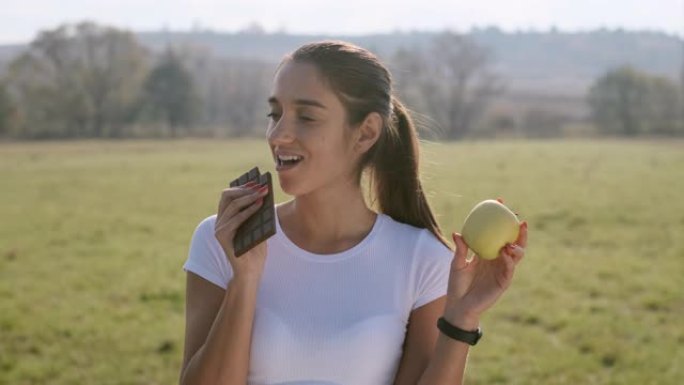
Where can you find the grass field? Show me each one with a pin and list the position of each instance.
(93, 236)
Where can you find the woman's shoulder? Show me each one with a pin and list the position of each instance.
(394, 227)
(205, 231)
(421, 240)
(207, 223)
(422, 257)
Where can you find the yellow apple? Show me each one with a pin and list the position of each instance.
(488, 227)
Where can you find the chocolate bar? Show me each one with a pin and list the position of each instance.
(261, 225)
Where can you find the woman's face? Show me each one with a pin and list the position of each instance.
(307, 119)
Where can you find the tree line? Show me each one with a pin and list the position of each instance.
(90, 81)
(628, 102)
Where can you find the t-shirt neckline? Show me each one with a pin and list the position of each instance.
(315, 257)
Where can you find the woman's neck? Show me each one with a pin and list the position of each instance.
(324, 227)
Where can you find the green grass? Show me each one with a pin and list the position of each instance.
(94, 234)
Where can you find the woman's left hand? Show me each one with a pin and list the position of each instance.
(475, 285)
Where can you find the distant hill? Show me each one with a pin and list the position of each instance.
(552, 62)
(557, 62)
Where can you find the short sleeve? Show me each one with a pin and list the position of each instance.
(206, 257)
(433, 263)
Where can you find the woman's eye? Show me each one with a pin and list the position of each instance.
(273, 115)
(306, 119)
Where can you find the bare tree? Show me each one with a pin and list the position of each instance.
(461, 82)
(233, 91)
(451, 82)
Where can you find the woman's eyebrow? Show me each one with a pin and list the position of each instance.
(308, 102)
(301, 102)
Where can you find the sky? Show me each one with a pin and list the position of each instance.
(20, 20)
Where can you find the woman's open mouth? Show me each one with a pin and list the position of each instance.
(287, 162)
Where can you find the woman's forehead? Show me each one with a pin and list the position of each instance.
(300, 81)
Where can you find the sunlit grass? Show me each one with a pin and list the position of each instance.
(94, 234)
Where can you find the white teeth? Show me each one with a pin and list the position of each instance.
(288, 157)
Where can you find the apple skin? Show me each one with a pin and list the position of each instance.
(488, 227)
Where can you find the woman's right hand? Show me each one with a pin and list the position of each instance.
(230, 216)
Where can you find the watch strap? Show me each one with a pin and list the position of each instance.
(456, 333)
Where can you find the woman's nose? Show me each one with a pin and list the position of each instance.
(281, 132)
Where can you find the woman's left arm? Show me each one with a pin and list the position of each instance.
(474, 286)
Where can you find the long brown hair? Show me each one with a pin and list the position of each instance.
(364, 85)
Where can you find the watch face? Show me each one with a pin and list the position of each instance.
(478, 336)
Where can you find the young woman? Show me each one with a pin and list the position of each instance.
(342, 294)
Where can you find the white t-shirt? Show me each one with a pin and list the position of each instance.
(333, 319)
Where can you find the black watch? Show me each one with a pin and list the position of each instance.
(469, 337)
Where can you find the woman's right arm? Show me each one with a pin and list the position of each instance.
(218, 331)
(219, 322)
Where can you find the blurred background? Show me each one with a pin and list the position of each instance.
(476, 69)
(121, 122)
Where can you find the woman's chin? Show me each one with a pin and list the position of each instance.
(287, 188)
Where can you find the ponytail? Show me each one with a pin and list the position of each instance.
(395, 174)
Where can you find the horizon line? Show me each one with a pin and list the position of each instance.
(257, 29)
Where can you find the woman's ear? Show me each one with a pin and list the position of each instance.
(368, 132)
